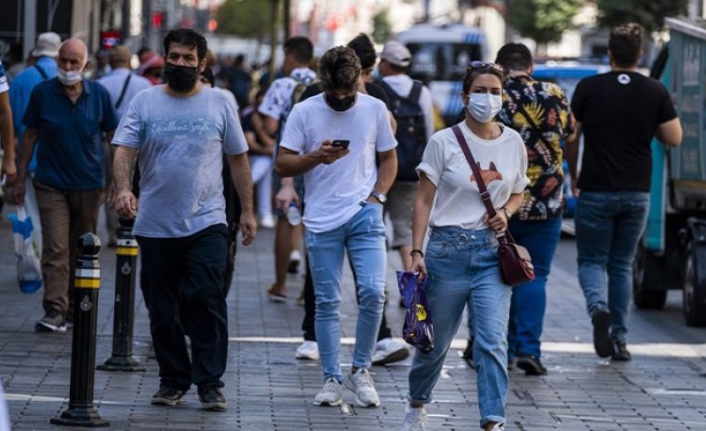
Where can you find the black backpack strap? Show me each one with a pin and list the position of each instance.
(390, 92)
(41, 72)
(122, 93)
(416, 91)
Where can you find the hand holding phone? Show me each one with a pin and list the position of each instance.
(340, 143)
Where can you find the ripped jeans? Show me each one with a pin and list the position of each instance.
(364, 238)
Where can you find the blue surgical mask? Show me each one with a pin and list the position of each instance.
(483, 107)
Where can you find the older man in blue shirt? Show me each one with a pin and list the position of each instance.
(70, 117)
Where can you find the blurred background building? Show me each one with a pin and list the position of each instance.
(139, 23)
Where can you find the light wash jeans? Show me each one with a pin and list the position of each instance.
(608, 228)
(463, 268)
(364, 238)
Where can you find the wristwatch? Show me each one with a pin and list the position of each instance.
(507, 212)
(381, 197)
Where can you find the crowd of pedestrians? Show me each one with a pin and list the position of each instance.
(326, 152)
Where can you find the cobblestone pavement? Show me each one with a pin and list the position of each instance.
(663, 388)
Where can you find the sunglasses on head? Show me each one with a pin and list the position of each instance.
(485, 65)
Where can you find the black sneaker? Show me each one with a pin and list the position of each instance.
(621, 352)
(212, 399)
(53, 321)
(532, 365)
(467, 354)
(168, 396)
(601, 333)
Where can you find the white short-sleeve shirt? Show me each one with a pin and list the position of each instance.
(334, 192)
(503, 163)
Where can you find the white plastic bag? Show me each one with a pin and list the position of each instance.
(29, 269)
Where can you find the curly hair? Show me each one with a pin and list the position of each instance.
(339, 69)
(625, 43)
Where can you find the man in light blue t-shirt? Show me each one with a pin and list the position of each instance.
(179, 132)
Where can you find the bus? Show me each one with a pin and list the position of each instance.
(440, 56)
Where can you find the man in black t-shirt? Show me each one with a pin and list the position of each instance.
(619, 113)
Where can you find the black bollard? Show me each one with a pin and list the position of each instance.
(83, 347)
(124, 313)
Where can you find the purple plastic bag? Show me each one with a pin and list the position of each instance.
(418, 329)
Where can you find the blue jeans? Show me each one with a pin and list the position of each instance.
(364, 238)
(463, 268)
(608, 228)
(529, 300)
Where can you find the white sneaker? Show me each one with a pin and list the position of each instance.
(331, 394)
(415, 419)
(498, 427)
(267, 221)
(362, 385)
(308, 350)
(294, 259)
(388, 351)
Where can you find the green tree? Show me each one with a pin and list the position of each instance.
(250, 19)
(542, 20)
(648, 13)
(382, 31)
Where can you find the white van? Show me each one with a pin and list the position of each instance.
(440, 55)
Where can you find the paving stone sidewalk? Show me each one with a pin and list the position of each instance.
(663, 388)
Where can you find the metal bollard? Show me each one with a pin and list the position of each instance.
(83, 348)
(124, 313)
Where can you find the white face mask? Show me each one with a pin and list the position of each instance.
(69, 77)
(483, 107)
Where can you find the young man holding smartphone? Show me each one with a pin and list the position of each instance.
(343, 204)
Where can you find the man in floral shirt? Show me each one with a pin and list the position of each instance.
(539, 111)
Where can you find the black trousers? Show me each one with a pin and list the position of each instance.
(187, 272)
(310, 308)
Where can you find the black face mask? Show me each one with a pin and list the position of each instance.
(339, 105)
(180, 78)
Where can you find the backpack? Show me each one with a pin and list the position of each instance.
(411, 132)
(300, 89)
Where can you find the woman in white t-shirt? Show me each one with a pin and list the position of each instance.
(461, 260)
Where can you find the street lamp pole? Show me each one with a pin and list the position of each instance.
(273, 39)
(30, 26)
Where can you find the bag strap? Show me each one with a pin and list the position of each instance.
(122, 93)
(390, 92)
(41, 72)
(484, 194)
(415, 92)
(503, 237)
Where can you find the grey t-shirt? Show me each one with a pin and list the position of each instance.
(180, 143)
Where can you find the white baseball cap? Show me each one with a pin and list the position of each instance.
(396, 53)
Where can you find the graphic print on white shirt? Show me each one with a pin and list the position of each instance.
(503, 164)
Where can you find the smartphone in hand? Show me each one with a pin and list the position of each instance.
(342, 143)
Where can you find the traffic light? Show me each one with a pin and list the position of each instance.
(157, 19)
